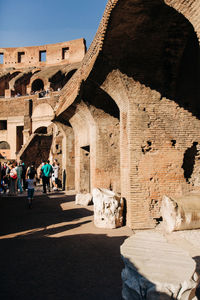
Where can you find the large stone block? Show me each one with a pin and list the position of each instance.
(181, 213)
(83, 199)
(156, 269)
(108, 208)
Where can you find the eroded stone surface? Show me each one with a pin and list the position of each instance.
(181, 213)
(83, 199)
(156, 269)
(108, 209)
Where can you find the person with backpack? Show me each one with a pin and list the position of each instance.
(13, 179)
(46, 172)
(30, 179)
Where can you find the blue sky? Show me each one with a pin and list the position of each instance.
(38, 22)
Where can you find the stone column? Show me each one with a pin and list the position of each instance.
(7, 93)
(27, 120)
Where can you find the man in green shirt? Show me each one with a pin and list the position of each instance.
(46, 172)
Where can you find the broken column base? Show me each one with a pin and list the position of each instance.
(155, 269)
(108, 208)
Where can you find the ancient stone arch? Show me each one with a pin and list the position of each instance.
(42, 130)
(5, 149)
(37, 85)
(4, 145)
(189, 9)
(84, 127)
(39, 81)
(145, 55)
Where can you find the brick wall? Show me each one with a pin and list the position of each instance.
(30, 56)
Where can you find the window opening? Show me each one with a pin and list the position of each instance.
(20, 57)
(1, 58)
(65, 53)
(3, 124)
(42, 55)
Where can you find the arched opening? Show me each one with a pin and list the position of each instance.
(4, 145)
(41, 130)
(37, 85)
(20, 84)
(59, 79)
(156, 46)
(4, 82)
(5, 149)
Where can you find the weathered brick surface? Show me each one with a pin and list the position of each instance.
(54, 55)
(141, 57)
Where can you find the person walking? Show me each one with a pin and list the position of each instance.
(19, 176)
(23, 176)
(46, 172)
(4, 180)
(30, 179)
(13, 179)
(54, 177)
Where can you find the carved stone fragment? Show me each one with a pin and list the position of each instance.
(108, 209)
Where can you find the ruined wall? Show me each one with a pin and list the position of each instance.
(107, 169)
(161, 133)
(162, 144)
(97, 157)
(15, 112)
(37, 150)
(67, 155)
(155, 51)
(60, 53)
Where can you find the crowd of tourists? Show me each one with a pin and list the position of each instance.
(17, 178)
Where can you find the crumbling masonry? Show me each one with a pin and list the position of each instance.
(129, 118)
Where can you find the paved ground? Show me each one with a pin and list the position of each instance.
(53, 251)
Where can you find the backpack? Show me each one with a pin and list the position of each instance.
(13, 174)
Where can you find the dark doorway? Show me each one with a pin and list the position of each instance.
(20, 57)
(42, 130)
(19, 141)
(37, 85)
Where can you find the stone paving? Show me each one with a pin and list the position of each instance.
(54, 251)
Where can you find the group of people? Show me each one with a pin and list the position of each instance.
(16, 178)
(49, 175)
(13, 177)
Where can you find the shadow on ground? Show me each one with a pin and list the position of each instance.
(38, 266)
(16, 217)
